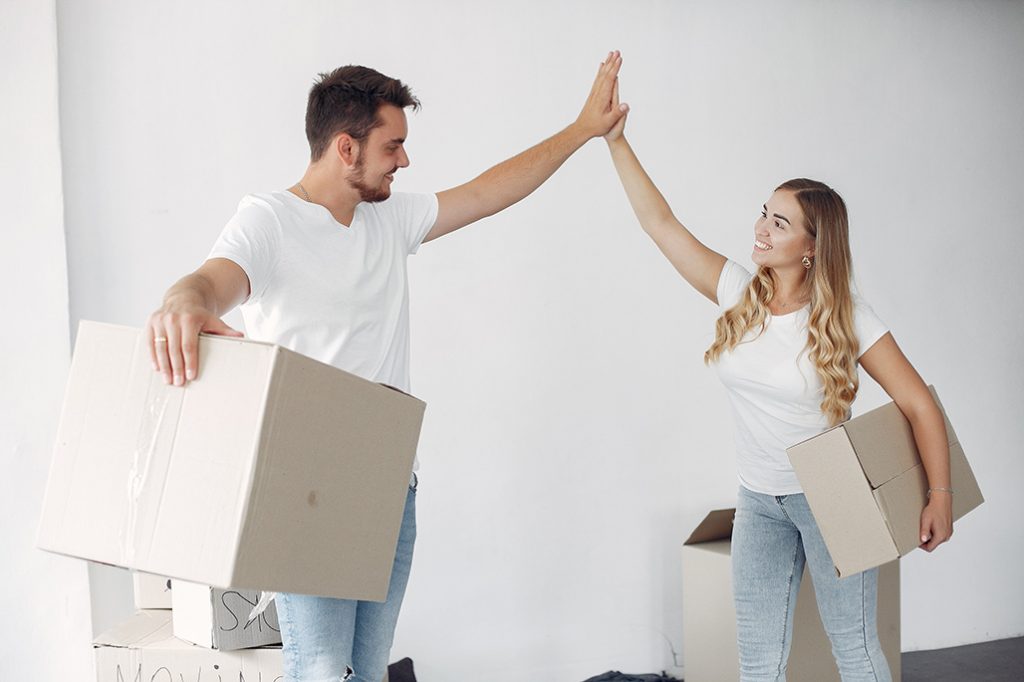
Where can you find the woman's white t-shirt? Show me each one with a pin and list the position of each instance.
(773, 387)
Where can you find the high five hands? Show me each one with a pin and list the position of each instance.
(602, 114)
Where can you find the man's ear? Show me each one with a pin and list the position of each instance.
(347, 149)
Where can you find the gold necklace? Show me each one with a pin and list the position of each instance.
(783, 305)
(304, 192)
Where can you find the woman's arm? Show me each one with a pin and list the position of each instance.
(699, 265)
(887, 365)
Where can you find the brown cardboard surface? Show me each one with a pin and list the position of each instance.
(717, 525)
(842, 501)
(837, 479)
(709, 619)
(884, 441)
(234, 479)
(302, 448)
(901, 501)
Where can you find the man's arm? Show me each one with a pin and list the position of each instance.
(194, 304)
(510, 181)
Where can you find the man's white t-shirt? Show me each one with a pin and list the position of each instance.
(773, 387)
(337, 294)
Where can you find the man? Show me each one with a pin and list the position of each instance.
(321, 269)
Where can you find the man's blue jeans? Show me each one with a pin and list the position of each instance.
(772, 538)
(328, 640)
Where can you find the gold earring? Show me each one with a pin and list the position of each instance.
(807, 263)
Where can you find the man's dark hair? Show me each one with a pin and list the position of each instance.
(346, 100)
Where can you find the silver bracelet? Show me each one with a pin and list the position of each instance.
(945, 490)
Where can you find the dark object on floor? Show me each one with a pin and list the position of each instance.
(999, 661)
(401, 671)
(616, 676)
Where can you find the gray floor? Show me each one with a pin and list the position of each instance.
(999, 661)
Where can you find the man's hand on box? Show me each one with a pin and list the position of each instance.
(191, 307)
(173, 339)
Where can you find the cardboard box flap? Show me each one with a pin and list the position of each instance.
(901, 501)
(143, 629)
(884, 441)
(843, 502)
(717, 525)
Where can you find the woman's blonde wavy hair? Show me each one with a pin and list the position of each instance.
(831, 339)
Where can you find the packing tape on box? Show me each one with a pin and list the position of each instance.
(151, 459)
(261, 605)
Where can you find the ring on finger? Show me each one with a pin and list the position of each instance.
(160, 339)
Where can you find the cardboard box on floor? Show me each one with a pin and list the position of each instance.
(219, 619)
(142, 649)
(866, 486)
(151, 591)
(709, 614)
(271, 471)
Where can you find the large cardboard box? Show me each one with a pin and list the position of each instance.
(219, 619)
(271, 471)
(709, 614)
(142, 649)
(151, 591)
(866, 485)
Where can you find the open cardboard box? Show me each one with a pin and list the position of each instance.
(709, 614)
(271, 471)
(866, 486)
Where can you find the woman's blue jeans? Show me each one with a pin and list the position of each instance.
(328, 640)
(772, 538)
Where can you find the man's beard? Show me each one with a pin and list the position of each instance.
(366, 192)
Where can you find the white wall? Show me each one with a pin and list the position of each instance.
(573, 436)
(43, 598)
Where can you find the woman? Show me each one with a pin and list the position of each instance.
(786, 347)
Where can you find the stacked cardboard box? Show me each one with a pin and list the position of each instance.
(231, 482)
(182, 629)
(145, 648)
(221, 619)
